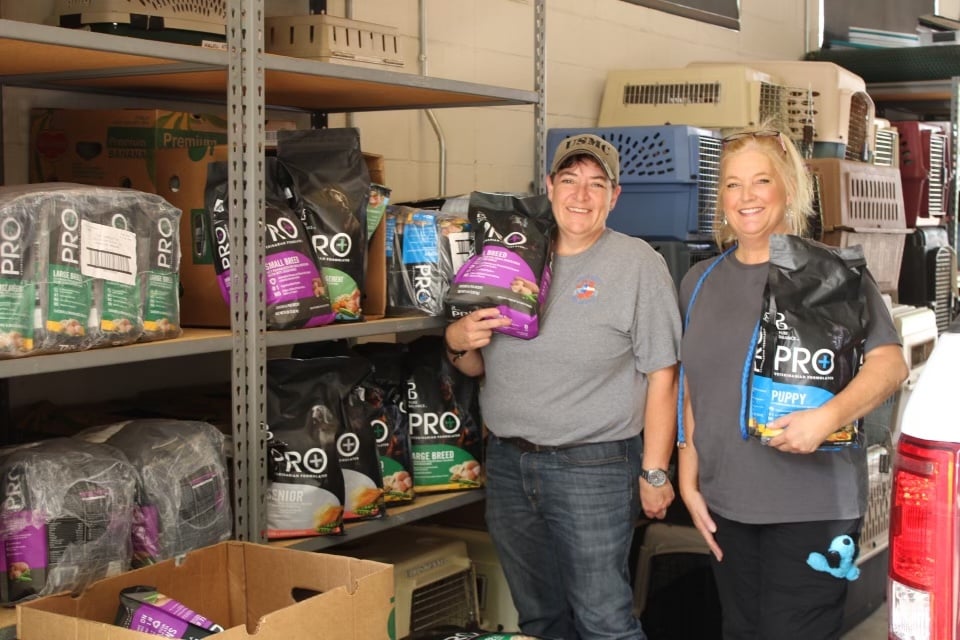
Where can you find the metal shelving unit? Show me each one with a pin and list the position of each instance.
(248, 79)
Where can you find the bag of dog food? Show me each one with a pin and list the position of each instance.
(297, 294)
(306, 494)
(511, 268)
(811, 333)
(143, 608)
(386, 392)
(18, 272)
(446, 434)
(183, 500)
(331, 184)
(160, 274)
(425, 250)
(65, 517)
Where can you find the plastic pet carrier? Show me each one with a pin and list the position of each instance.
(886, 143)
(924, 168)
(718, 96)
(862, 204)
(434, 581)
(929, 272)
(171, 20)
(831, 100)
(669, 176)
(857, 195)
(332, 39)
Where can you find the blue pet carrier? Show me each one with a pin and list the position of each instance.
(669, 176)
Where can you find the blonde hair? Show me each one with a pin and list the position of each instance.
(788, 168)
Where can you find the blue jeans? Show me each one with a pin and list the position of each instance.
(562, 523)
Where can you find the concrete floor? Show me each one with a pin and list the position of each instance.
(874, 627)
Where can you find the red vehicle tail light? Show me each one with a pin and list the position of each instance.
(923, 572)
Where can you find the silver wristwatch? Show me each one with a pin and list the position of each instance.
(656, 477)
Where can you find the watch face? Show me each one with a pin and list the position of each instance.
(656, 477)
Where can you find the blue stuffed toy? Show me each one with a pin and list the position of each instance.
(843, 548)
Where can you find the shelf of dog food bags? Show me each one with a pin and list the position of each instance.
(197, 341)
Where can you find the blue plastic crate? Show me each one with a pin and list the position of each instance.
(669, 175)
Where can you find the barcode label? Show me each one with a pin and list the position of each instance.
(461, 248)
(108, 253)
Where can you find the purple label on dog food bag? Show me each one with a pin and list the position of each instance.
(157, 622)
(145, 535)
(498, 267)
(500, 274)
(292, 280)
(26, 541)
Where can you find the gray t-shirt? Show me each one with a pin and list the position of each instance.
(609, 318)
(743, 480)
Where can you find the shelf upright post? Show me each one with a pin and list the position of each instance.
(953, 206)
(245, 120)
(540, 86)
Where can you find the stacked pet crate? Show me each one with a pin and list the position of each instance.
(827, 106)
(862, 204)
(928, 275)
(925, 170)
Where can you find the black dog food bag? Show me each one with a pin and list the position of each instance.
(386, 394)
(305, 491)
(67, 508)
(445, 427)
(183, 500)
(512, 264)
(332, 187)
(811, 333)
(297, 295)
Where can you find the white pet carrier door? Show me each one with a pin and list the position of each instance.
(434, 581)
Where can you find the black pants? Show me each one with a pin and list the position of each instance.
(768, 591)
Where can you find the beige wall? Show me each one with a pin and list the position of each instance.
(491, 42)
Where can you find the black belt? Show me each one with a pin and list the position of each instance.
(529, 447)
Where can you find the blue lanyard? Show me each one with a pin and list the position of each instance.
(745, 373)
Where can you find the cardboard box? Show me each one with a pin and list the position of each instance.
(247, 588)
(181, 181)
(115, 147)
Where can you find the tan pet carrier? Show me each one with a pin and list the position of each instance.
(204, 16)
(719, 96)
(832, 100)
(332, 39)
